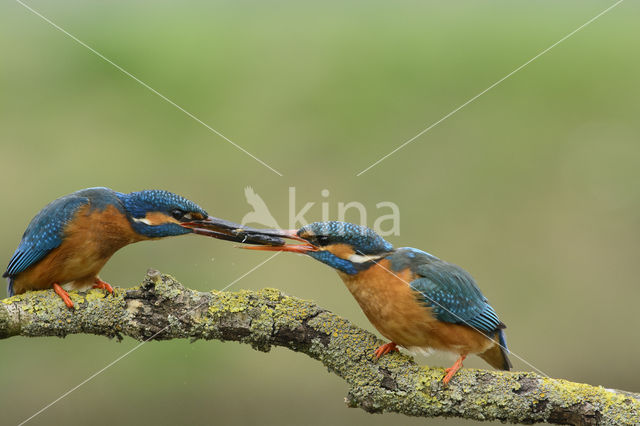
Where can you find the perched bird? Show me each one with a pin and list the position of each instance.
(72, 238)
(412, 298)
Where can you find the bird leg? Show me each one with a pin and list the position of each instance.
(63, 295)
(453, 369)
(385, 349)
(103, 285)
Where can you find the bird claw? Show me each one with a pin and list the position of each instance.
(63, 295)
(103, 285)
(385, 349)
(451, 371)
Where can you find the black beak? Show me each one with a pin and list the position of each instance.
(292, 234)
(230, 231)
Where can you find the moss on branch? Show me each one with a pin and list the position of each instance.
(161, 308)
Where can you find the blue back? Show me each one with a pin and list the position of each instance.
(448, 289)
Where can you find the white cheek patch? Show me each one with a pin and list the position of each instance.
(188, 216)
(143, 220)
(358, 258)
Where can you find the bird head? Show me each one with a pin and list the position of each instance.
(344, 246)
(158, 214)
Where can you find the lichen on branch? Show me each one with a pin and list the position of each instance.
(161, 309)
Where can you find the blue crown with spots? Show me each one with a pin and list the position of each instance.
(363, 240)
(138, 204)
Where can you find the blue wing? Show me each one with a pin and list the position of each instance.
(454, 296)
(44, 233)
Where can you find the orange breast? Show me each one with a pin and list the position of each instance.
(395, 311)
(90, 239)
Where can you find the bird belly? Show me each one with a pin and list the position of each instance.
(90, 240)
(394, 309)
(60, 266)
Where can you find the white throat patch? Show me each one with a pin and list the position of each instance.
(359, 258)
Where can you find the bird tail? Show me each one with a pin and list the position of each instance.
(10, 288)
(497, 355)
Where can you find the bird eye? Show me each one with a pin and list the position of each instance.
(177, 214)
(322, 240)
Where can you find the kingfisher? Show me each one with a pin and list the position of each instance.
(413, 298)
(69, 241)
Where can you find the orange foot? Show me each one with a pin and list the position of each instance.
(63, 295)
(385, 349)
(453, 369)
(103, 285)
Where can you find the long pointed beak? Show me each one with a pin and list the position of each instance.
(230, 231)
(304, 248)
(293, 248)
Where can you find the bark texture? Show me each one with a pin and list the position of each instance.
(161, 308)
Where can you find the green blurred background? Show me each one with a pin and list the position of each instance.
(533, 188)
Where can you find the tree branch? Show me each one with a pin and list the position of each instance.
(161, 308)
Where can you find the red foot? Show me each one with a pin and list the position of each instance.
(103, 285)
(63, 295)
(451, 371)
(385, 349)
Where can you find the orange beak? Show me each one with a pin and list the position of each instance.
(304, 248)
